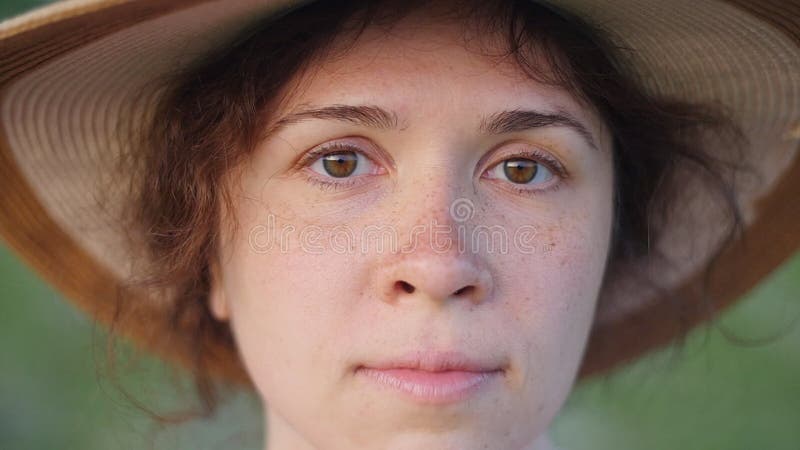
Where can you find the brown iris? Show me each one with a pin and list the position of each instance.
(340, 164)
(520, 170)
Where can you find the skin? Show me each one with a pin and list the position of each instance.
(304, 320)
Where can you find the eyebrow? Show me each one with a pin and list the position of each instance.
(522, 119)
(370, 116)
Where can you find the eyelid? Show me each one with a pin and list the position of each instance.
(528, 151)
(338, 145)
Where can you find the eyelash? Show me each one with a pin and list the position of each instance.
(536, 155)
(544, 159)
(325, 150)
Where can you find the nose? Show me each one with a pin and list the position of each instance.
(436, 262)
(437, 278)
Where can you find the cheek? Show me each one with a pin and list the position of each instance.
(553, 293)
(288, 309)
(561, 268)
(551, 296)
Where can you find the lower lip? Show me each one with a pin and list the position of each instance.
(430, 387)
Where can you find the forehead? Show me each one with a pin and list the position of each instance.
(424, 66)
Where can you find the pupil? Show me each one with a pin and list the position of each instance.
(520, 170)
(340, 165)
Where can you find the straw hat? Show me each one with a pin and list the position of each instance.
(68, 71)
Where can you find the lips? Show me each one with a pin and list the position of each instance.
(436, 361)
(433, 377)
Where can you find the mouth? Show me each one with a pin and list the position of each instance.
(433, 377)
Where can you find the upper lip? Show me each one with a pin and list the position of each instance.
(438, 361)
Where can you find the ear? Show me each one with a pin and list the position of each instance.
(217, 302)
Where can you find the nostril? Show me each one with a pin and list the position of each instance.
(464, 290)
(405, 286)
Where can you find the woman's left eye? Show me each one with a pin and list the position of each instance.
(521, 171)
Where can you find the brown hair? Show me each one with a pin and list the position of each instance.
(211, 116)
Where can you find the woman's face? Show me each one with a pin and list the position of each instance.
(431, 283)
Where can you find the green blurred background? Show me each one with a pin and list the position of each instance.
(712, 394)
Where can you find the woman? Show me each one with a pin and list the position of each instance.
(404, 225)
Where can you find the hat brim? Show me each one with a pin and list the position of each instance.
(71, 71)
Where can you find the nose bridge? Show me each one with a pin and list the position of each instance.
(435, 211)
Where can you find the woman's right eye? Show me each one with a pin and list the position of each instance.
(341, 164)
(337, 166)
